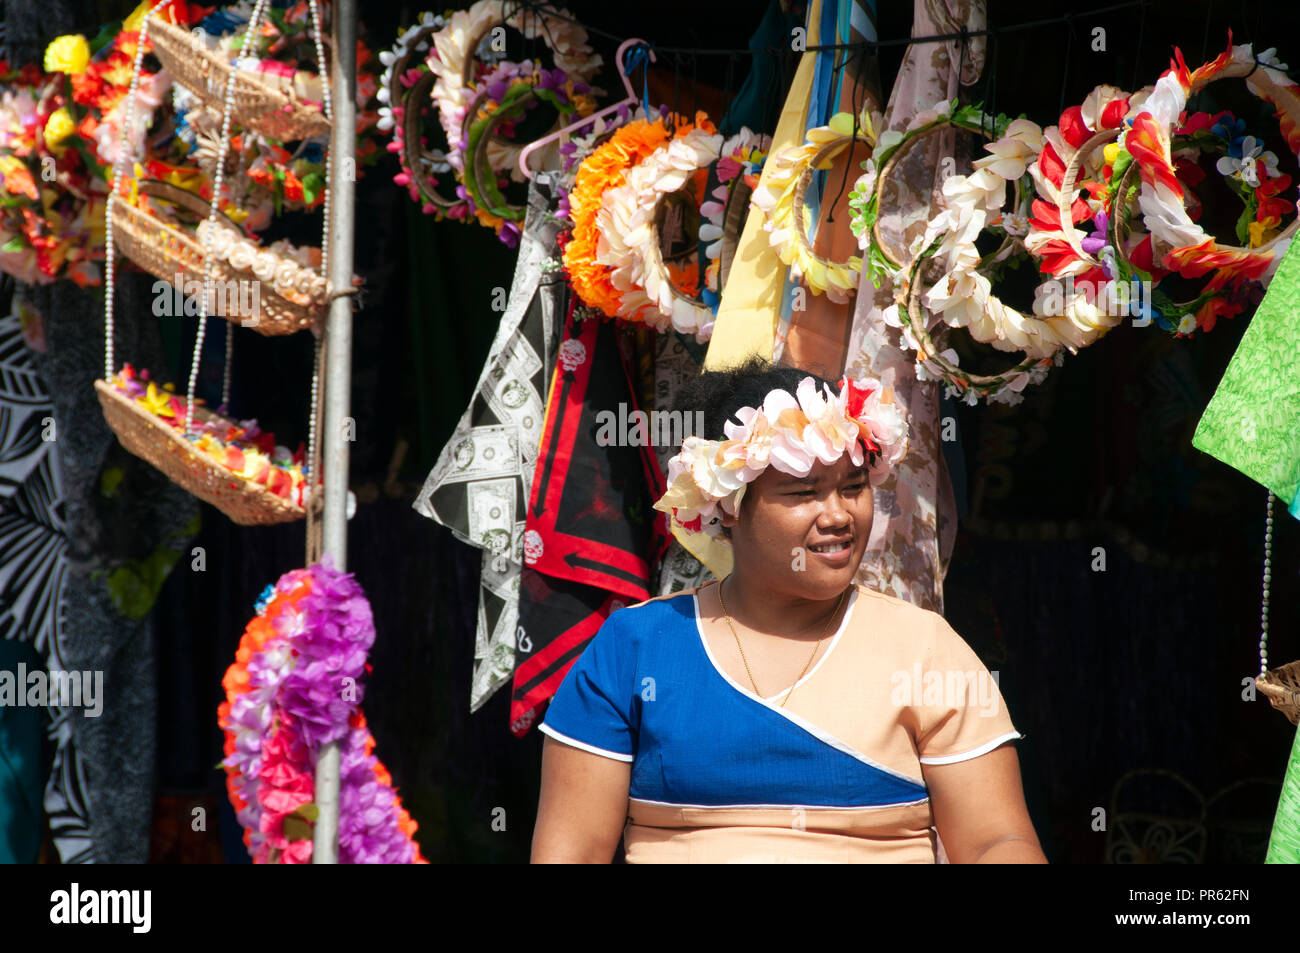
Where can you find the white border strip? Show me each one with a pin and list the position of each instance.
(781, 807)
(974, 752)
(548, 730)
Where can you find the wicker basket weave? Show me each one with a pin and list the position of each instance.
(164, 250)
(255, 103)
(1281, 686)
(140, 432)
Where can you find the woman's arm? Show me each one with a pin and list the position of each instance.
(582, 808)
(979, 810)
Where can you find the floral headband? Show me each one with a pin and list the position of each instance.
(789, 432)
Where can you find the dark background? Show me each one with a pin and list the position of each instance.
(1137, 667)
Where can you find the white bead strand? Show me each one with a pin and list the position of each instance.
(1268, 576)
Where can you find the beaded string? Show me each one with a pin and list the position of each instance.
(109, 257)
(1268, 575)
(218, 174)
(327, 104)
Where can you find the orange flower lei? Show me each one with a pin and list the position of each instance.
(607, 168)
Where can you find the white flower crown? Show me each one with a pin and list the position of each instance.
(790, 432)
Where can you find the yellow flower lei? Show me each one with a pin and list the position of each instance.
(780, 197)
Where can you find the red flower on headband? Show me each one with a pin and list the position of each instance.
(855, 402)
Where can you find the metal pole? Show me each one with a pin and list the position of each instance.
(338, 372)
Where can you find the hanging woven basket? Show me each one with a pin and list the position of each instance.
(256, 102)
(153, 440)
(1281, 686)
(294, 297)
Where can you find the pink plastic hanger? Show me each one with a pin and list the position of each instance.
(631, 99)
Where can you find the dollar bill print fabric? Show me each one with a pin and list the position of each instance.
(480, 485)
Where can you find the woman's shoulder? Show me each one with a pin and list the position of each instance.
(888, 619)
(655, 616)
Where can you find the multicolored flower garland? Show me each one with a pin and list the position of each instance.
(737, 173)
(295, 685)
(452, 61)
(1182, 244)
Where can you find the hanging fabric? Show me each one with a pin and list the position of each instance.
(817, 337)
(592, 536)
(479, 487)
(1250, 422)
(915, 525)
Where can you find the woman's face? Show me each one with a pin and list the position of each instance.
(803, 536)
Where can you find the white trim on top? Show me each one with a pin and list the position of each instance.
(974, 752)
(821, 735)
(574, 742)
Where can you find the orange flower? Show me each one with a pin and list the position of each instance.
(607, 168)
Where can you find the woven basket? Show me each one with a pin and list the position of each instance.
(164, 250)
(149, 438)
(256, 103)
(1281, 686)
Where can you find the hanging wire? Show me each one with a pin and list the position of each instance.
(1069, 49)
(1137, 57)
(857, 57)
(1205, 38)
(869, 44)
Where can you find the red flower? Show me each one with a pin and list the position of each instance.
(1114, 113)
(1073, 129)
(1270, 206)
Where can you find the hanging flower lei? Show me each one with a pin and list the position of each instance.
(506, 93)
(1148, 140)
(740, 165)
(410, 42)
(629, 239)
(962, 296)
(295, 685)
(936, 365)
(780, 198)
(407, 78)
(605, 169)
(790, 432)
(242, 448)
(1102, 112)
(1226, 294)
(892, 145)
(456, 43)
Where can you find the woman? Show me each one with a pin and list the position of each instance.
(784, 714)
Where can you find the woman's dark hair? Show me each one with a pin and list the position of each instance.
(719, 394)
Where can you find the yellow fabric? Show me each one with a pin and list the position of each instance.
(751, 302)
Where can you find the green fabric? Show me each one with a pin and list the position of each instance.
(1251, 422)
(1284, 842)
(22, 772)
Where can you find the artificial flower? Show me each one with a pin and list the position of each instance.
(67, 54)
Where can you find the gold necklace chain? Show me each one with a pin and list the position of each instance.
(810, 657)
